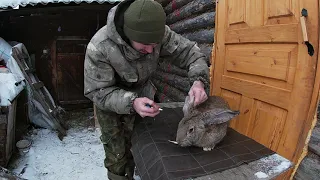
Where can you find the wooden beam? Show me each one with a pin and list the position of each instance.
(39, 97)
(49, 9)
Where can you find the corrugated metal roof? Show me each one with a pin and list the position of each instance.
(16, 3)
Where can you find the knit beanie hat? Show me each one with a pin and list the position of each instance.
(144, 21)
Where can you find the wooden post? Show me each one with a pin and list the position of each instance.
(96, 122)
(7, 133)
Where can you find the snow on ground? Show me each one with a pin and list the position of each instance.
(79, 156)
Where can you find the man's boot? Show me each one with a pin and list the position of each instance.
(130, 169)
(113, 176)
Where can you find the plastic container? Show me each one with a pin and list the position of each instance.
(23, 146)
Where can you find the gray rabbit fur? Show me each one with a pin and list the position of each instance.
(206, 124)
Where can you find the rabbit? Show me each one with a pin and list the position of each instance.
(204, 125)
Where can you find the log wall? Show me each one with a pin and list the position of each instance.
(194, 20)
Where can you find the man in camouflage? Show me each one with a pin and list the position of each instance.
(119, 61)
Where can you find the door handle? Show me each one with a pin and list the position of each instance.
(303, 19)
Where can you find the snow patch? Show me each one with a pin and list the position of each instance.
(79, 156)
(261, 175)
(10, 87)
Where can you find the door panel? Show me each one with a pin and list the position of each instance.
(263, 69)
(275, 118)
(271, 61)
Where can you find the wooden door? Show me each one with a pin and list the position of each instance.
(68, 55)
(262, 68)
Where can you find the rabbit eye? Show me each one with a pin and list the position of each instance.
(190, 130)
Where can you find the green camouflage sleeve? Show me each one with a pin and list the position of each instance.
(100, 84)
(186, 54)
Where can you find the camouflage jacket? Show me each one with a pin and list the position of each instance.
(115, 73)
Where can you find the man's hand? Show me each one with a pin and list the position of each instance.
(197, 90)
(139, 105)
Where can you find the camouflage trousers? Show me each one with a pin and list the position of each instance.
(116, 132)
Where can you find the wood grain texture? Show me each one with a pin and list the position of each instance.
(262, 67)
(281, 33)
(313, 28)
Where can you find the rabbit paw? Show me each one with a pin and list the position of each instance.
(207, 148)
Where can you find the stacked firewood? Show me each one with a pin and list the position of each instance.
(194, 20)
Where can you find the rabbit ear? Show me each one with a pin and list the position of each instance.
(188, 105)
(221, 117)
